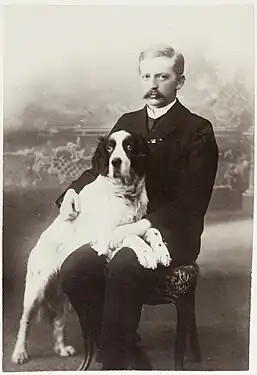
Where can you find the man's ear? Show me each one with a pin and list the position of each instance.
(100, 159)
(180, 82)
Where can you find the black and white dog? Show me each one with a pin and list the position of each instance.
(117, 197)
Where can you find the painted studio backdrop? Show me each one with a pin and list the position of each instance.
(70, 72)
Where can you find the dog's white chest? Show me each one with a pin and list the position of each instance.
(100, 205)
(101, 212)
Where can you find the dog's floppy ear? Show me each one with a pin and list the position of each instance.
(100, 159)
(140, 154)
(142, 147)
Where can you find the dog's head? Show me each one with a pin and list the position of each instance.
(121, 156)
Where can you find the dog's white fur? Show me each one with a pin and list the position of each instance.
(104, 207)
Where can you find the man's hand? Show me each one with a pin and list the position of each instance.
(70, 207)
(118, 235)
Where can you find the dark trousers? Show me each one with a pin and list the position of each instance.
(108, 299)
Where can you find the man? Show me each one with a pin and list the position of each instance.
(108, 297)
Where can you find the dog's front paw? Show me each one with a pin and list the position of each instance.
(147, 260)
(144, 253)
(64, 351)
(163, 255)
(20, 356)
(154, 238)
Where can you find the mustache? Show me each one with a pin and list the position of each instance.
(149, 93)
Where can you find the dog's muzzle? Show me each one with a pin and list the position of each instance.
(116, 164)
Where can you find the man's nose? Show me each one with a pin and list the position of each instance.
(154, 83)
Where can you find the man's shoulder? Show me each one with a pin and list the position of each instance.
(133, 114)
(129, 120)
(198, 122)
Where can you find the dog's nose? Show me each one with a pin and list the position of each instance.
(116, 162)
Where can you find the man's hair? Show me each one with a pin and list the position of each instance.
(166, 51)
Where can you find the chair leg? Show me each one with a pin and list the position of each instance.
(181, 334)
(140, 360)
(192, 331)
(88, 354)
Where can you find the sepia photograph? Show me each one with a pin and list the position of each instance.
(128, 187)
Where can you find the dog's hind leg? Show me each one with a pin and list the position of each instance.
(58, 335)
(55, 309)
(36, 281)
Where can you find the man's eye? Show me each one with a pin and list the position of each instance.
(145, 77)
(163, 77)
(109, 148)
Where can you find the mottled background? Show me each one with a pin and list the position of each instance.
(69, 73)
(68, 69)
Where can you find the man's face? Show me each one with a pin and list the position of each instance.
(159, 81)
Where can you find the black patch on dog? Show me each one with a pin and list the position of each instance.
(137, 150)
(100, 159)
(135, 147)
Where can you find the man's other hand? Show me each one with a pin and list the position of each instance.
(70, 207)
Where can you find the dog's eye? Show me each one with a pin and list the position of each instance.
(109, 148)
(129, 147)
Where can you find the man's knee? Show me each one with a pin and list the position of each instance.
(124, 263)
(81, 264)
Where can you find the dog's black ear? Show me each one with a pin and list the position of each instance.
(140, 154)
(100, 159)
(141, 147)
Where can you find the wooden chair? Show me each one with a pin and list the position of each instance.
(178, 288)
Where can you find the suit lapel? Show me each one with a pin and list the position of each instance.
(169, 121)
(165, 126)
(141, 122)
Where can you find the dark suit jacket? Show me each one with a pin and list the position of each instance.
(180, 177)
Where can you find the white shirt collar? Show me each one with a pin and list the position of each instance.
(158, 112)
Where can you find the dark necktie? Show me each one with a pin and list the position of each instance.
(151, 123)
